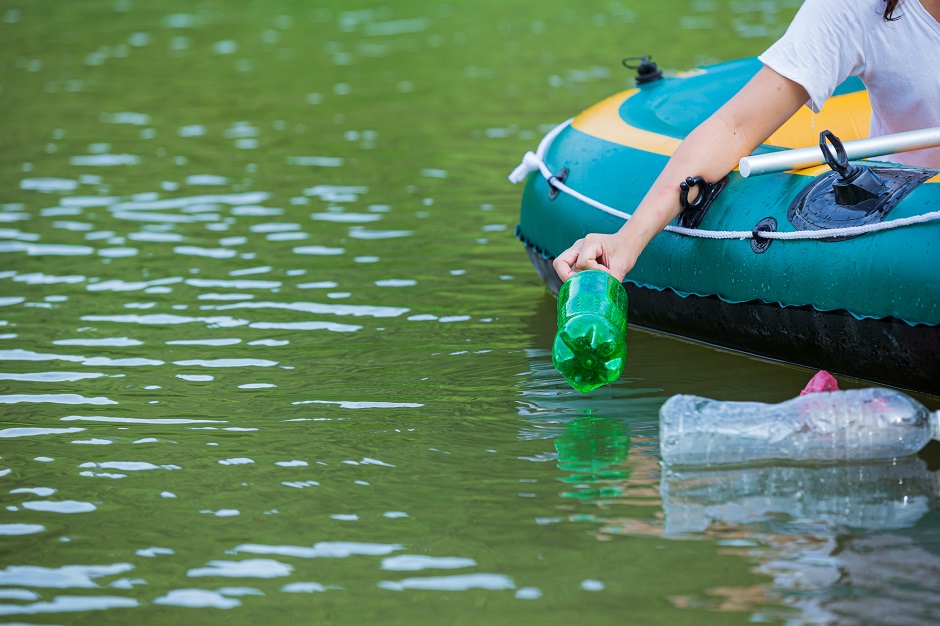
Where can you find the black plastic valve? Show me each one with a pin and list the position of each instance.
(646, 70)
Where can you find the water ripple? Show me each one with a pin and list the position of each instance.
(257, 211)
(322, 284)
(263, 269)
(233, 284)
(225, 296)
(132, 420)
(152, 237)
(38, 278)
(49, 184)
(274, 227)
(65, 577)
(128, 466)
(462, 582)
(52, 249)
(106, 341)
(331, 326)
(316, 161)
(20, 529)
(187, 201)
(337, 193)
(9, 433)
(415, 562)
(346, 218)
(59, 506)
(87, 201)
(324, 549)
(315, 307)
(214, 253)
(164, 318)
(50, 377)
(305, 587)
(249, 568)
(227, 363)
(197, 599)
(348, 404)
(231, 341)
(152, 552)
(319, 250)
(361, 233)
(69, 604)
(108, 362)
(121, 285)
(105, 160)
(55, 398)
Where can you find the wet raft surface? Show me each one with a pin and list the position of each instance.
(269, 349)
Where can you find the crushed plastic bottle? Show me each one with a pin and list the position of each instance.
(857, 425)
(590, 346)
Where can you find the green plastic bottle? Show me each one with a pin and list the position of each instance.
(590, 346)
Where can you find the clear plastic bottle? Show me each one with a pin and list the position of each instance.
(857, 424)
(590, 346)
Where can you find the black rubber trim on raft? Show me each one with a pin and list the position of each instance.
(888, 351)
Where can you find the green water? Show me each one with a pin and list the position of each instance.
(271, 353)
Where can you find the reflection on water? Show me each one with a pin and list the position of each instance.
(849, 544)
(868, 497)
(592, 444)
(842, 543)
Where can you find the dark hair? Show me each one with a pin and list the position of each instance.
(889, 10)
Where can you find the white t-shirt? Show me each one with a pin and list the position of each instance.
(899, 62)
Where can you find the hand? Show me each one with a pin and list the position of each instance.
(607, 253)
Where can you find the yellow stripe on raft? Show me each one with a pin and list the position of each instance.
(846, 115)
(604, 122)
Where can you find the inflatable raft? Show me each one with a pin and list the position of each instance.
(803, 266)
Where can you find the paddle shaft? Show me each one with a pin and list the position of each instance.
(858, 149)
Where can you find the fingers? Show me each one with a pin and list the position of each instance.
(592, 255)
(589, 253)
(564, 262)
(596, 252)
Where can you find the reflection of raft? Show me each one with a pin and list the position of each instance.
(866, 306)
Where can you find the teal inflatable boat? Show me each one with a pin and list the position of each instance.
(834, 267)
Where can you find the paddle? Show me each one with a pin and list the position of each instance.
(801, 158)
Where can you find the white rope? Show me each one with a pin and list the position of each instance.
(531, 162)
(534, 162)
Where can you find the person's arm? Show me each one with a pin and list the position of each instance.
(711, 151)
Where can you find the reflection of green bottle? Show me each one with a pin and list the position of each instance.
(590, 346)
(592, 444)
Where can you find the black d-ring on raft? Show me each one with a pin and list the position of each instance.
(693, 211)
(856, 183)
(838, 162)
